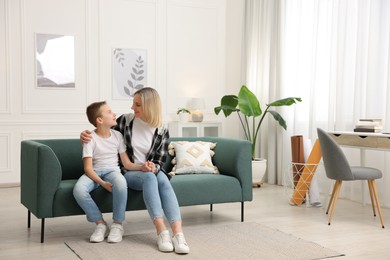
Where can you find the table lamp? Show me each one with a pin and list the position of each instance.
(196, 106)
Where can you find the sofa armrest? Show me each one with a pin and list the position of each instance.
(41, 174)
(233, 157)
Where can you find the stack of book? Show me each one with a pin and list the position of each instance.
(369, 125)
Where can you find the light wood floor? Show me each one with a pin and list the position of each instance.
(354, 230)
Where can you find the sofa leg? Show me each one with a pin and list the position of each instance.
(211, 207)
(242, 211)
(28, 219)
(42, 230)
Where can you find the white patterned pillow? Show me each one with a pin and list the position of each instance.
(192, 157)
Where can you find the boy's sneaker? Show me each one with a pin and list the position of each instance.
(99, 234)
(116, 233)
(164, 242)
(180, 244)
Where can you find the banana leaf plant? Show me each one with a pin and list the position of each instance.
(248, 109)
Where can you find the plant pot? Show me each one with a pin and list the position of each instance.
(184, 117)
(259, 166)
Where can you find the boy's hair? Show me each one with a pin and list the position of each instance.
(93, 111)
(151, 105)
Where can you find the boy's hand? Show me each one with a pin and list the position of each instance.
(107, 186)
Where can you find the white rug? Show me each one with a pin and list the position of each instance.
(236, 241)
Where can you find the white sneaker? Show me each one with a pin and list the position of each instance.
(99, 234)
(164, 242)
(180, 244)
(116, 233)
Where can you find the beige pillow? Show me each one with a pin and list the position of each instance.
(192, 157)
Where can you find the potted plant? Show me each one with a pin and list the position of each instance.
(183, 114)
(248, 109)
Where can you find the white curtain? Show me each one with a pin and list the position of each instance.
(336, 56)
(261, 70)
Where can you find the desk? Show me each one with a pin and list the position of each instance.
(363, 141)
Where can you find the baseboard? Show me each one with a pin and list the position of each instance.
(9, 185)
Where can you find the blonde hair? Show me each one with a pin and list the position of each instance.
(151, 106)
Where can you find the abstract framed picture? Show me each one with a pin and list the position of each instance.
(55, 60)
(129, 72)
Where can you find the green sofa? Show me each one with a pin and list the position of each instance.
(50, 169)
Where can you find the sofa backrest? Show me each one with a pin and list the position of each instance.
(69, 154)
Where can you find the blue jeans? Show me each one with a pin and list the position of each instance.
(85, 185)
(159, 196)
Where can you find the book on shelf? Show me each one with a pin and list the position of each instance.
(367, 130)
(378, 120)
(369, 122)
(373, 125)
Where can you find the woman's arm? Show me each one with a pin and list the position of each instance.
(158, 153)
(85, 136)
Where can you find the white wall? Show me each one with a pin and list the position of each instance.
(193, 48)
(234, 43)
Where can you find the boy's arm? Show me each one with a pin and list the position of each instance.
(92, 174)
(130, 165)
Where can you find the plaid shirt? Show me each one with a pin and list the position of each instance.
(159, 148)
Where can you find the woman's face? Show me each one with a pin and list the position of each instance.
(137, 107)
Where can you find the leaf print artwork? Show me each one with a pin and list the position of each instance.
(129, 72)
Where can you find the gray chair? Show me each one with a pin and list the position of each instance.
(337, 168)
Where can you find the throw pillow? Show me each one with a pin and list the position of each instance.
(192, 157)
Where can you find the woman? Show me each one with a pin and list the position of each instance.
(147, 144)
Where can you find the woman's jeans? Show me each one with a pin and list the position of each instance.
(85, 185)
(158, 194)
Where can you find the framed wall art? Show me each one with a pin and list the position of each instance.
(55, 61)
(129, 72)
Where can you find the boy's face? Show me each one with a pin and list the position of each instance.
(107, 117)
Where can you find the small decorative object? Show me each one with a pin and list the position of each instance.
(197, 104)
(184, 114)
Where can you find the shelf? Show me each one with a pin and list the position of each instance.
(194, 129)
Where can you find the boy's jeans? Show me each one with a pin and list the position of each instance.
(85, 185)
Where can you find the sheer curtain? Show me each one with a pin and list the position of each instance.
(261, 69)
(336, 56)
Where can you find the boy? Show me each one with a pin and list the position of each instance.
(101, 166)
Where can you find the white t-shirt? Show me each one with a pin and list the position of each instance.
(141, 140)
(104, 151)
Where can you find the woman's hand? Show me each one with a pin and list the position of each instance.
(152, 167)
(85, 136)
(148, 167)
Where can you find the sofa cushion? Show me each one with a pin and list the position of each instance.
(64, 196)
(102, 198)
(192, 157)
(206, 189)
